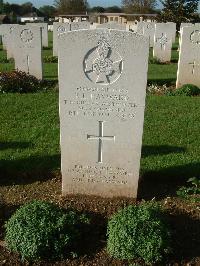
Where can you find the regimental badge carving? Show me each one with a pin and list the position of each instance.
(61, 30)
(149, 26)
(11, 29)
(103, 65)
(26, 35)
(195, 37)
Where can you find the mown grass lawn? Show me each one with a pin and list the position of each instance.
(29, 138)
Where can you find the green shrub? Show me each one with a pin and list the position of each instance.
(186, 90)
(5, 60)
(138, 232)
(18, 81)
(50, 59)
(191, 192)
(40, 230)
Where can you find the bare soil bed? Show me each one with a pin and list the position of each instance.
(184, 218)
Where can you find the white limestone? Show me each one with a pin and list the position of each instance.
(44, 27)
(58, 29)
(189, 58)
(149, 31)
(162, 42)
(28, 50)
(112, 25)
(83, 25)
(173, 30)
(102, 86)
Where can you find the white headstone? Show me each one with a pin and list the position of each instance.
(83, 25)
(162, 42)
(44, 27)
(173, 30)
(102, 79)
(58, 29)
(28, 50)
(189, 58)
(112, 25)
(185, 25)
(10, 40)
(149, 31)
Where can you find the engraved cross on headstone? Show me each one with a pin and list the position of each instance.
(28, 63)
(100, 138)
(162, 40)
(194, 64)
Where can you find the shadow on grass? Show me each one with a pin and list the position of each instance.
(28, 170)
(14, 145)
(148, 150)
(165, 182)
(160, 82)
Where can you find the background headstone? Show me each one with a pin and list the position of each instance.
(102, 80)
(149, 31)
(112, 25)
(28, 50)
(58, 29)
(162, 42)
(83, 25)
(189, 58)
(173, 30)
(44, 27)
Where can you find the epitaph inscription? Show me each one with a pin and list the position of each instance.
(103, 102)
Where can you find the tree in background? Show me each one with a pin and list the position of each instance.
(71, 6)
(47, 11)
(1, 6)
(179, 11)
(97, 9)
(113, 9)
(139, 6)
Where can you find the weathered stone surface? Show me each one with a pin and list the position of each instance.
(162, 42)
(44, 27)
(28, 50)
(58, 29)
(83, 25)
(102, 79)
(112, 25)
(173, 30)
(189, 58)
(149, 31)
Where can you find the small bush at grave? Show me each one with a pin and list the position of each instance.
(40, 230)
(138, 232)
(21, 82)
(5, 60)
(18, 81)
(186, 90)
(50, 59)
(192, 192)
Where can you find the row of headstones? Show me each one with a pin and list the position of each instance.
(27, 50)
(160, 35)
(102, 87)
